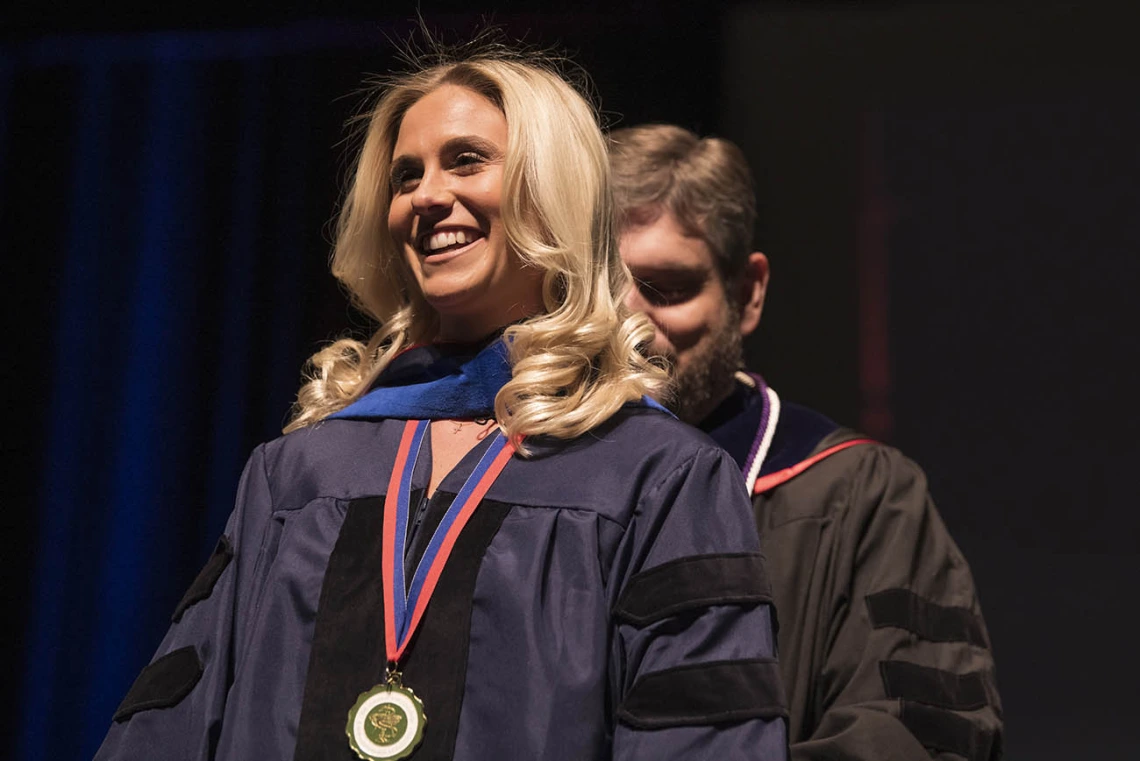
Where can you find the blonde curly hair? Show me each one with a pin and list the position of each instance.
(574, 364)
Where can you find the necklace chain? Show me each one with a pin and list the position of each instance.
(457, 425)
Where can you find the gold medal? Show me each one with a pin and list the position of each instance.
(387, 722)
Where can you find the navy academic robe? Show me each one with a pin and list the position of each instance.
(606, 600)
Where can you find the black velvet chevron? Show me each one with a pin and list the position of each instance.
(705, 693)
(163, 683)
(694, 582)
(904, 609)
(206, 579)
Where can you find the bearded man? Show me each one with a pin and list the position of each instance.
(883, 648)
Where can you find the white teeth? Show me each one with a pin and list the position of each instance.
(440, 240)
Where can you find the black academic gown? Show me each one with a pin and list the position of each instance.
(883, 648)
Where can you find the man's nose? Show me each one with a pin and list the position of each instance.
(636, 302)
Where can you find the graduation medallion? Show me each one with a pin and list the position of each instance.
(387, 722)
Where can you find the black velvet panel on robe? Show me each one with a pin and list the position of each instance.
(348, 655)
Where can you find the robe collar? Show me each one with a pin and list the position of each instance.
(441, 382)
(736, 422)
(436, 382)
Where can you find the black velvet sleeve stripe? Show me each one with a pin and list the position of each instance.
(206, 579)
(944, 689)
(903, 609)
(705, 693)
(693, 582)
(163, 683)
(946, 732)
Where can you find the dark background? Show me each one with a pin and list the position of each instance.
(948, 199)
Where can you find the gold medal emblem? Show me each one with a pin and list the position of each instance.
(387, 722)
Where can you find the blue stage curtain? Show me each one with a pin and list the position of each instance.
(171, 194)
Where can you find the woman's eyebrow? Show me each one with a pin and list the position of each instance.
(469, 142)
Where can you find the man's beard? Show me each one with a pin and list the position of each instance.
(707, 375)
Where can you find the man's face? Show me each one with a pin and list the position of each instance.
(677, 284)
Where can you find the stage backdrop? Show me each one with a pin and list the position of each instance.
(946, 200)
(974, 170)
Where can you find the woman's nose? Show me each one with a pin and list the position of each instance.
(432, 195)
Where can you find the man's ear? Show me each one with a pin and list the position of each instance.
(753, 286)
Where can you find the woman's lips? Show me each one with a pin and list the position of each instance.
(449, 252)
(443, 241)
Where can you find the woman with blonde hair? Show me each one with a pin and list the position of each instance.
(594, 579)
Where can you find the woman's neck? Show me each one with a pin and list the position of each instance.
(451, 440)
(475, 329)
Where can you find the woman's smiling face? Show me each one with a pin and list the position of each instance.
(447, 182)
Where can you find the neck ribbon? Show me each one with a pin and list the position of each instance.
(403, 611)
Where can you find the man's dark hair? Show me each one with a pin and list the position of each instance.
(703, 182)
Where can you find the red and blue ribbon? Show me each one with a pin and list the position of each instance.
(404, 611)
